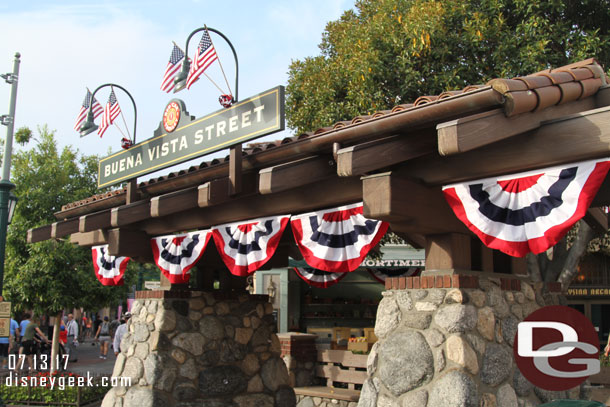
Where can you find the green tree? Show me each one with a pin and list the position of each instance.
(389, 52)
(53, 275)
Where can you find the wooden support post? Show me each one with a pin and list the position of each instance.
(518, 265)
(132, 191)
(487, 259)
(165, 284)
(448, 251)
(235, 161)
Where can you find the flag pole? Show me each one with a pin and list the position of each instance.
(219, 63)
(124, 122)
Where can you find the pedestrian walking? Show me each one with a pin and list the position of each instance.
(103, 335)
(120, 331)
(72, 337)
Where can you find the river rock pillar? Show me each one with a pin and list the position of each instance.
(212, 349)
(446, 340)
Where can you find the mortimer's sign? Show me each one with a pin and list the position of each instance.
(181, 137)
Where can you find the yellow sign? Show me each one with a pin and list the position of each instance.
(588, 292)
(5, 327)
(5, 309)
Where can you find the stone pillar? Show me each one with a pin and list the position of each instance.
(446, 340)
(212, 349)
(300, 354)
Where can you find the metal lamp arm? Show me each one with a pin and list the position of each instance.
(186, 53)
(135, 110)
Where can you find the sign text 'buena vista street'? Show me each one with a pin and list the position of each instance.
(181, 137)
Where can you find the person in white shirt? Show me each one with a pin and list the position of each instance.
(72, 343)
(120, 332)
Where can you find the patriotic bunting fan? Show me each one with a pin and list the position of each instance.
(527, 212)
(175, 255)
(246, 246)
(318, 278)
(109, 270)
(380, 274)
(336, 240)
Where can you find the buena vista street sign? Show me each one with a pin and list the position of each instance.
(181, 137)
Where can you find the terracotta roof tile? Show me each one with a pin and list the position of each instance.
(400, 108)
(571, 82)
(422, 100)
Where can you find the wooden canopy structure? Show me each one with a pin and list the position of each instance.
(395, 161)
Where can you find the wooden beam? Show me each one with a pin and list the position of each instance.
(173, 202)
(131, 195)
(39, 234)
(575, 138)
(449, 251)
(235, 169)
(93, 238)
(327, 193)
(218, 191)
(93, 221)
(471, 132)
(130, 243)
(374, 155)
(597, 218)
(408, 206)
(128, 214)
(295, 174)
(64, 228)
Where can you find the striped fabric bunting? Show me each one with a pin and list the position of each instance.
(109, 270)
(380, 274)
(318, 278)
(530, 211)
(175, 255)
(338, 239)
(246, 246)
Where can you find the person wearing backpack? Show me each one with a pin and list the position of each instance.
(103, 336)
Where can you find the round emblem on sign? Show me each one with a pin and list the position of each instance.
(171, 117)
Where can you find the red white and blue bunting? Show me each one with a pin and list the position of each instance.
(318, 278)
(380, 274)
(530, 211)
(109, 270)
(175, 255)
(246, 246)
(338, 239)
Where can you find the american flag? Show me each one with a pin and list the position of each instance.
(173, 66)
(82, 115)
(206, 54)
(111, 111)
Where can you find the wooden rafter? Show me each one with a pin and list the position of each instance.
(578, 137)
(373, 155)
(471, 132)
(93, 221)
(326, 193)
(173, 202)
(295, 174)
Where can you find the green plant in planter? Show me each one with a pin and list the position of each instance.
(60, 394)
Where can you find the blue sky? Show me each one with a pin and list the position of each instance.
(67, 46)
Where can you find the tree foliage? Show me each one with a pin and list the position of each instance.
(388, 52)
(54, 274)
